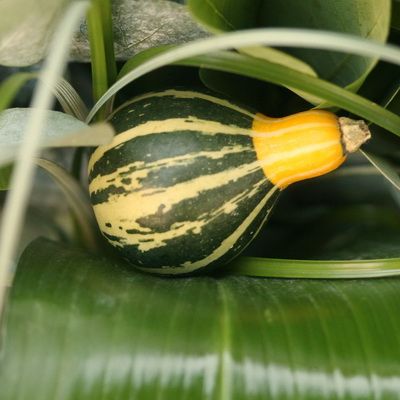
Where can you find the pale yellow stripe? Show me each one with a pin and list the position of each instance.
(125, 209)
(141, 169)
(168, 126)
(160, 239)
(225, 246)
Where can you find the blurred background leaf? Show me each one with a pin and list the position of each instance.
(97, 329)
(5, 174)
(365, 18)
(350, 214)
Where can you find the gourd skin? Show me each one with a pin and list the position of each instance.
(182, 186)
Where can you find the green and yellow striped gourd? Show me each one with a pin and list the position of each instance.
(190, 178)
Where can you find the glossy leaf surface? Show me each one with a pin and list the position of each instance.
(84, 327)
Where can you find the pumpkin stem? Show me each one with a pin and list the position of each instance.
(354, 133)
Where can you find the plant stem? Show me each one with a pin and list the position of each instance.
(106, 14)
(101, 49)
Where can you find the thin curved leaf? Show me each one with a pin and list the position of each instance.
(332, 269)
(384, 167)
(98, 329)
(77, 199)
(292, 37)
(240, 64)
(70, 100)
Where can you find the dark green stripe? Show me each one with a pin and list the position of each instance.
(168, 176)
(193, 247)
(166, 107)
(204, 205)
(155, 147)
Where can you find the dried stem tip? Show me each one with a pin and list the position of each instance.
(354, 133)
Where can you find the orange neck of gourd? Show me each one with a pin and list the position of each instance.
(301, 146)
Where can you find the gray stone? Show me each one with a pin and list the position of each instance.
(141, 24)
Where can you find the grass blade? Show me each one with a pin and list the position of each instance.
(104, 70)
(70, 100)
(270, 72)
(76, 198)
(384, 167)
(311, 269)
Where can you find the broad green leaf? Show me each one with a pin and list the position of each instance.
(241, 16)
(240, 64)
(61, 130)
(270, 72)
(25, 29)
(80, 326)
(219, 15)
(365, 18)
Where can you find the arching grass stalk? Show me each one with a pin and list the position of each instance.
(269, 36)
